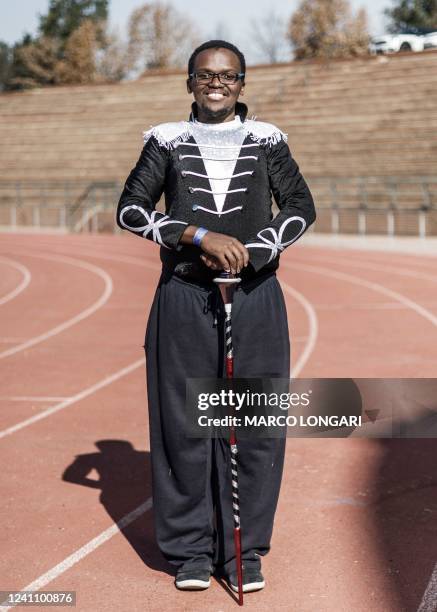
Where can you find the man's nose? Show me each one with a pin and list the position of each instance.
(215, 81)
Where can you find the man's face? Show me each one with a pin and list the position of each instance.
(215, 100)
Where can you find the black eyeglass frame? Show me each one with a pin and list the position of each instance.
(240, 76)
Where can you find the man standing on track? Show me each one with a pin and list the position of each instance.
(218, 171)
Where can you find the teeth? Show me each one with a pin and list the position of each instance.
(215, 96)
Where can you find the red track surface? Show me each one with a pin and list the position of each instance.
(355, 528)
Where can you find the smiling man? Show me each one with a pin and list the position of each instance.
(218, 171)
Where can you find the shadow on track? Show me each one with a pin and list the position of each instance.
(124, 477)
(405, 511)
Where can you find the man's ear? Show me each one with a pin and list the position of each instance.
(189, 86)
(242, 90)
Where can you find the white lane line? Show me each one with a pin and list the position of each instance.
(313, 329)
(129, 259)
(72, 400)
(31, 398)
(429, 599)
(402, 259)
(383, 268)
(77, 318)
(24, 283)
(423, 312)
(85, 550)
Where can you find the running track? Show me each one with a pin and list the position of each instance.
(355, 529)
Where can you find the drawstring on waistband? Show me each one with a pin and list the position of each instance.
(212, 304)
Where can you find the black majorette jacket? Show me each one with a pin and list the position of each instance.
(220, 177)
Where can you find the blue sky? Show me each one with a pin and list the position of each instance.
(229, 17)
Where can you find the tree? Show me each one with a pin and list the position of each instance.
(71, 47)
(159, 37)
(63, 50)
(74, 45)
(5, 64)
(16, 67)
(65, 16)
(412, 15)
(34, 63)
(328, 29)
(78, 65)
(268, 38)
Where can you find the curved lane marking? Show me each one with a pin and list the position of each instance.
(77, 318)
(313, 329)
(382, 268)
(24, 283)
(399, 297)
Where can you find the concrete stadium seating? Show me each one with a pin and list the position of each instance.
(346, 121)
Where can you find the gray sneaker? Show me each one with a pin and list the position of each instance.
(193, 580)
(253, 580)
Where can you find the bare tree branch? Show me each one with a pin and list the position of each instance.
(159, 37)
(268, 38)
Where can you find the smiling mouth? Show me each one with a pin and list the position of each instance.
(215, 95)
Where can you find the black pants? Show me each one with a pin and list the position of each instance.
(191, 477)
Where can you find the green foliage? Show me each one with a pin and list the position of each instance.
(33, 64)
(74, 45)
(63, 52)
(412, 15)
(5, 63)
(17, 69)
(65, 16)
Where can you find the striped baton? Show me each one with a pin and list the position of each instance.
(226, 283)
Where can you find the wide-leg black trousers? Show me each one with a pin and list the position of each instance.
(191, 478)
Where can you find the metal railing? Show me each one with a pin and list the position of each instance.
(362, 205)
(388, 205)
(61, 206)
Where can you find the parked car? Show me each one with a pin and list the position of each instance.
(419, 40)
(392, 43)
(430, 40)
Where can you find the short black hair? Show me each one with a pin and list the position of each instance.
(216, 44)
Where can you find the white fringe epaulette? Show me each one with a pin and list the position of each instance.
(264, 133)
(169, 135)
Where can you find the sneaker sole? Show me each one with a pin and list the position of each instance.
(192, 585)
(249, 588)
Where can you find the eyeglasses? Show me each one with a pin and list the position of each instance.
(225, 78)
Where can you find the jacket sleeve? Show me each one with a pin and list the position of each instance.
(142, 190)
(295, 203)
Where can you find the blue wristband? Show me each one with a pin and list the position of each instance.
(197, 238)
